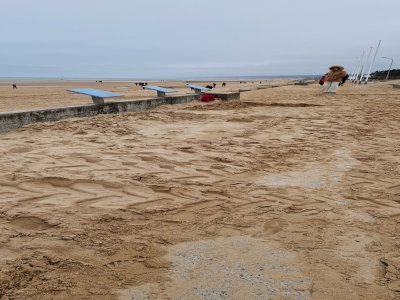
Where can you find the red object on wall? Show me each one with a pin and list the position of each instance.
(207, 98)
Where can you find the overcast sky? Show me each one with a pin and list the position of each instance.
(191, 38)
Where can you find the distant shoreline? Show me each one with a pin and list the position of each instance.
(216, 78)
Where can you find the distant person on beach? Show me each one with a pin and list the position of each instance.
(214, 85)
(14, 86)
(223, 84)
(333, 78)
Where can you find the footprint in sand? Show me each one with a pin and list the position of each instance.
(272, 227)
(20, 149)
(29, 223)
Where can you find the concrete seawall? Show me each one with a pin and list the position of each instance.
(14, 120)
(227, 96)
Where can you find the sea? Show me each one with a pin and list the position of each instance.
(154, 79)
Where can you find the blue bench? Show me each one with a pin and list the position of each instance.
(97, 95)
(161, 92)
(198, 89)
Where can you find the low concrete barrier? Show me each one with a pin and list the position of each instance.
(14, 120)
(227, 96)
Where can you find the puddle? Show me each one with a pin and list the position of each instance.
(311, 178)
(229, 268)
(314, 175)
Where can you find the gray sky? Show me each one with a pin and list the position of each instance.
(191, 38)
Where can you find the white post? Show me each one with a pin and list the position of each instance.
(359, 69)
(355, 72)
(390, 68)
(365, 64)
(373, 62)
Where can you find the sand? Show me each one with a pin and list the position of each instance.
(286, 194)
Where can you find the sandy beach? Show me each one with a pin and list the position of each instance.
(285, 194)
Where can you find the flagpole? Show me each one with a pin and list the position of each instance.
(373, 62)
(355, 71)
(365, 64)
(359, 69)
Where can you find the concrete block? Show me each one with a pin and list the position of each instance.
(227, 96)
